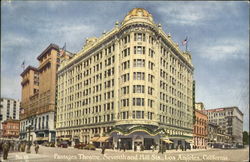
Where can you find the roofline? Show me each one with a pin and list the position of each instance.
(7, 98)
(201, 112)
(28, 68)
(11, 120)
(209, 110)
(51, 46)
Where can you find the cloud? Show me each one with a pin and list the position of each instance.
(217, 50)
(194, 13)
(11, 40)
(11, 87)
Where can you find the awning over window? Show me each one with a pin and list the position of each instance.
(65, 139)
(42, 138)
(167, 141)
(94, 139)
(189, 141)
(102, 139)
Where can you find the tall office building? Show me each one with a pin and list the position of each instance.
(38, 103)
(9, 109)
(230, 119)
(133, 84)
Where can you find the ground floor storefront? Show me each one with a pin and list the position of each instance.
(39, 136)
(148, 138)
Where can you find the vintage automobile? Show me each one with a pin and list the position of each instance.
(80, 145)
(63, 144)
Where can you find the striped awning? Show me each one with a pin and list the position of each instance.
(102, 139)
(167, 141)
(94, 139)
(42, 138)
(189, 141)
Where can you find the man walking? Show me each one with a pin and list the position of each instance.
(36, 148)
(5, 150)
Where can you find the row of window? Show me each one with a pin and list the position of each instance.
(96, 119)
(137, 37)
(137, 102)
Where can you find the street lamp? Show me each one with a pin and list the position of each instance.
(161, 141)
(29, 145)
(119, 140)
(119, 144)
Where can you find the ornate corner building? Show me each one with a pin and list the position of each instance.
(133, 84)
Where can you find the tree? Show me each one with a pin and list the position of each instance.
(245, 138)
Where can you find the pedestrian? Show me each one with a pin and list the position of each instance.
(5, 150)
(124, 147)
(36, 148)
(103, 148)
(1, 147)
(135, 147)
(152, 148)
(160, 148)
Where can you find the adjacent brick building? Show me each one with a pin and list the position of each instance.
(11, 128)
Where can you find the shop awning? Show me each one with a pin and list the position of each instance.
(65, 139)
(102, 139)
(42, 138)
(189, 141)
(167, 141)
(94, 139)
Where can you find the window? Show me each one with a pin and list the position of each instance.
(139, 37)
(150, 78)
(138, 101)
(151, 53)
(125, 90)
(139, 50)
(138, 88)
(150, 65)
(125, 65)
(150, 90)
(125, 77)
(125, 102)
(139, 76)
(126, 39)
(126, 52)
(150, 103)
(139, 63)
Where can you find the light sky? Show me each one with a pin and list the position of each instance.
(218, 35)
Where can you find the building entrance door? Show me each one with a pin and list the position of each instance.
(148, 142)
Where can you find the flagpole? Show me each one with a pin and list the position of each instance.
(186, 43)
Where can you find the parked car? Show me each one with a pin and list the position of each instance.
(46, 143)
(80, 145)
(63, 144)
(90, 147)
(52, 144)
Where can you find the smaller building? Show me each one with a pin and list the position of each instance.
(11, 128)
(217, 137)
(9, 109)
(230, 119)
(200, 131)
(199, 106)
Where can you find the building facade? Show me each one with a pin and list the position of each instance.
(9, 109)
(217, 137)
(199, 106)
(38, 104)
(200, 130)
(230, 119)
(11, 128)
(132, 84)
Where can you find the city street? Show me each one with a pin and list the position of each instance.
(51, 154)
